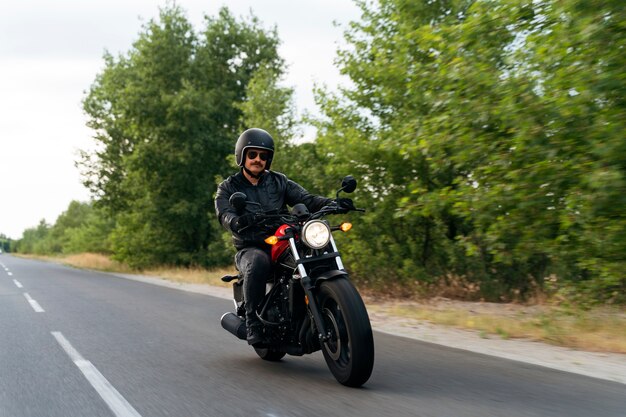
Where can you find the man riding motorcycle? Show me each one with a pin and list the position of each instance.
(272, 191)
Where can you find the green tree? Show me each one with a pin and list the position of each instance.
(377, 131)
(67, 222)
(486, 137)
(91, 234)
(34, 239)
(80, 228)
(568, 169)
(270, 107)
(6, 243)
(166, 115)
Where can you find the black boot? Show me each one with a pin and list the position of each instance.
(254, 334)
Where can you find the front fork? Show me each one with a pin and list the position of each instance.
(308, 289)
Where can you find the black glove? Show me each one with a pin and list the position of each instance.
(240, 222)
(345, 205)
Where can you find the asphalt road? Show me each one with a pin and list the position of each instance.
(78, 343)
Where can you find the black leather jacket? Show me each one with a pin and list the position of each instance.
(274, 192)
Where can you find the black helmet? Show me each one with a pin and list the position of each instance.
(254, 138)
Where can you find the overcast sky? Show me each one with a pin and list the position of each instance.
(51, 51)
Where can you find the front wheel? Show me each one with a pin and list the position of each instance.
(349, 351)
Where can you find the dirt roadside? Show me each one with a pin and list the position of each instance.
(607, 366)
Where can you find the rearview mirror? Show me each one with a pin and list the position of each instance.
(348, 184)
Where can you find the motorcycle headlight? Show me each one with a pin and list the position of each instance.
(316, 234)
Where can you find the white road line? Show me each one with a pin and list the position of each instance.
(10, 273)
(18, 284)
(34, 304)
(115, 401)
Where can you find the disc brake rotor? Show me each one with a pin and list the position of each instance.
(333, 345)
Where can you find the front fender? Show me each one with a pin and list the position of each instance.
(328, 275)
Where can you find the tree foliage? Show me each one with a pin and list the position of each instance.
(34, 239)
(6, 243)
(488, 137)
(166, 115)
(80, 228)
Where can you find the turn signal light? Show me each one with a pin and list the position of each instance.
(272, 240)
(345, 227)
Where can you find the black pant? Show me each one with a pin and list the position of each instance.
(255, 266)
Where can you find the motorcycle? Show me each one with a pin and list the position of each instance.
(310, 303)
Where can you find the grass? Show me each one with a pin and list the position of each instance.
(193, 275)
(94, 261)
(601, 329)
(101, 262)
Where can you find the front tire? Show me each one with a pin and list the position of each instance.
(349, 352)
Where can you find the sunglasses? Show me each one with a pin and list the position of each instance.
(263, 155)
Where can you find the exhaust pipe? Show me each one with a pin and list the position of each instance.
(234, 324)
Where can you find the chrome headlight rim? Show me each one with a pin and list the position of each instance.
(316, 241)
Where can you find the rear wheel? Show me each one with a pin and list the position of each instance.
(349, 351)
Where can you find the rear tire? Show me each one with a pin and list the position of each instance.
(349, 353)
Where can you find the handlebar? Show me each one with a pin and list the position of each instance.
(288, 218)
(332, 210)
(261, 217)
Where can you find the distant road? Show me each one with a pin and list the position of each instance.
(77, 343)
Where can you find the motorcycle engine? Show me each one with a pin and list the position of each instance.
(274, 315)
